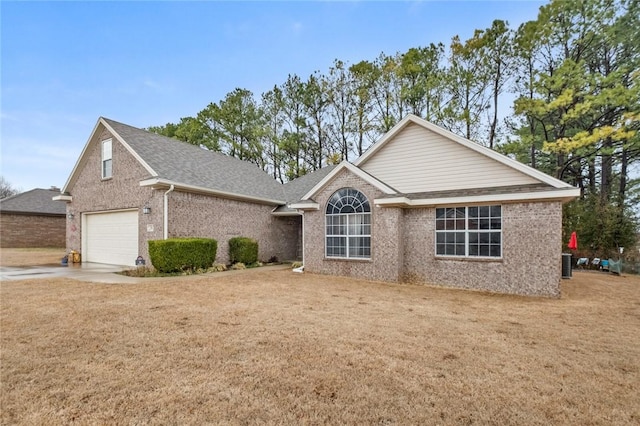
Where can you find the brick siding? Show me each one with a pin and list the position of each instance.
(386, 253)
(403, 247)
(31, 231)
(222, 219)
(531, 258)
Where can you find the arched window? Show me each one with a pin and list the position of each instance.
(348, 225)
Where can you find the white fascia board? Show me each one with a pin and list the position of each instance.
(128, 147)
(356, 171)
(285, 214)
(62, 197)
(564, 195)
(523, 168)
(305, 206)
(158, 182)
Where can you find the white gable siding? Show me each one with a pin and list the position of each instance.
(419, 160)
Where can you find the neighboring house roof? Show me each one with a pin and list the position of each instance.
(37, 202)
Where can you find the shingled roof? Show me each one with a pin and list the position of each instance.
(180, 162)
(37, 201)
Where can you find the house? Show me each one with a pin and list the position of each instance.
(421, 205)
(32, 219)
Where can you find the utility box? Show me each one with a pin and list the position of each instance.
(566, 265)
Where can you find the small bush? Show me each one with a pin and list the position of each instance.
(182, 254)
(238, 266)
(243, 250)
(218, 267)
(295, 265)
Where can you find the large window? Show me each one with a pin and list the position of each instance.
(469, 231)
(348, 225)
(106, 159)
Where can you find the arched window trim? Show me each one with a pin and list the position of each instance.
(348, 225)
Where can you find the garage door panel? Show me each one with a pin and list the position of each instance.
(112, 238)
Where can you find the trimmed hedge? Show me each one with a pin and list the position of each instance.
(181, 254)
(243, 250)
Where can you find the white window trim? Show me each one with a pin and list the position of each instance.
(103, 159)
(466, 236)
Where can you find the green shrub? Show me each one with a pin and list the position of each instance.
(243, 250)
(182, 254)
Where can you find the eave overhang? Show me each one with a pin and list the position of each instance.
(563, 195)
(159, 183)
(63, 197)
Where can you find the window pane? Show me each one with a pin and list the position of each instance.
(484, 211)
(440, 249)
(440, 237)
(106, 169)
(495, 251)
(106, 150)
(473, 237)
(495, 238)
(496, 211)
(460, 237)
(440, 224)
(496, 223)
(459, 249)
(484, 223)
(449, 250)
(484, 250)
(460, 224)
(474, 224)
(336, 246)
(359, 247)
(473, 212)
(484, 238)
(473, 250)
(440, 213)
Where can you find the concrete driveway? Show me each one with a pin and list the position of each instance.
(91, 272)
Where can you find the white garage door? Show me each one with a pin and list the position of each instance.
(111, 238)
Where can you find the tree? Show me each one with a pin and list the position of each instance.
(467, 81)
(7, 189)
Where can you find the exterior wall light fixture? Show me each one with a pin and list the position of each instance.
(146, 210)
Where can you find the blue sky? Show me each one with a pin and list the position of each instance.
(64, 64)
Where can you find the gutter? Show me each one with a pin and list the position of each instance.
(166, 212)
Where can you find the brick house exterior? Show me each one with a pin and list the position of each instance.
(421, 205)
(190, 212)
(32, 220)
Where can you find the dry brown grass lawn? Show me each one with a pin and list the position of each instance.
(31, 256)
(284, 348)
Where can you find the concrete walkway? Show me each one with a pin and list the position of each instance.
(99, 273)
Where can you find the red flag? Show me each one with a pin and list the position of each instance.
(573, 241)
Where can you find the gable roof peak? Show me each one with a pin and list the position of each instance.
(480, 149)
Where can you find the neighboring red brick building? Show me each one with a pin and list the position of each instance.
(32, 219)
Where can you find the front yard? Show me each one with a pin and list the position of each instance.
(279, 347)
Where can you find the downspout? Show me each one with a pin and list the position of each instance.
(301, 269)
(166, 212)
